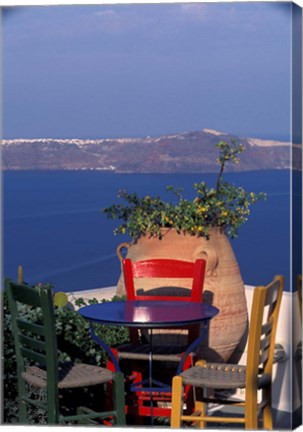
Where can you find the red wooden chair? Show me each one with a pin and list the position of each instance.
(136, 352)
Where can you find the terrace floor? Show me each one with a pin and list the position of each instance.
(282, 420)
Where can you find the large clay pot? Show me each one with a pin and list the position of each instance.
(223, 285)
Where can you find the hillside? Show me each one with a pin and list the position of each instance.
(176, 153)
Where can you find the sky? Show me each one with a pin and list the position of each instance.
(135, 70)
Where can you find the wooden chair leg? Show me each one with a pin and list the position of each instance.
(251, 409)
(177, 402)
(267, 418)
(22, 412)
(119, 399)
(267, 410)
(201, 407)
(22, 418)
(52, 405)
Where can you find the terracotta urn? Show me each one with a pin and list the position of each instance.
(223, 285)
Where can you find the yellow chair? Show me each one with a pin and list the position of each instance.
(255, 375)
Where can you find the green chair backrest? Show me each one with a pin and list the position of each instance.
(34, 343)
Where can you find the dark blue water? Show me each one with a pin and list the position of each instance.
(53, 227)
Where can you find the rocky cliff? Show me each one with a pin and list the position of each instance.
(175, 153)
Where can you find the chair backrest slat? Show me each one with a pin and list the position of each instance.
(266, 327)
(30, 327)
(32, 343)
(27, 295)
(34, 356)
(163, 268)
(263, 357)
(265, 342)
(272, 294)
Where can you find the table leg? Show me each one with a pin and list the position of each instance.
(105, 347)
(192, 347)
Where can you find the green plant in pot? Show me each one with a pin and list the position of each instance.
(199, 228)
(225, 206)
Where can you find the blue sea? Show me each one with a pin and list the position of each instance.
(53, 227)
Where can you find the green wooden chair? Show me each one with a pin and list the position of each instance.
(38, 366)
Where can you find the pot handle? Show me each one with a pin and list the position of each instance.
(212, 260)
(119, 249)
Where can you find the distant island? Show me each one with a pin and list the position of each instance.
(174, 153)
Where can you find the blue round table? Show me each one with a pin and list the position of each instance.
(148, 314)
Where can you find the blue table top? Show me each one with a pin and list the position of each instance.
(149, 314)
